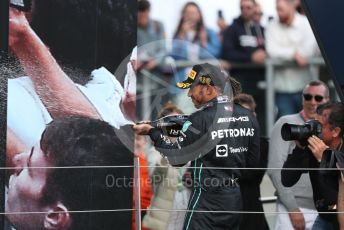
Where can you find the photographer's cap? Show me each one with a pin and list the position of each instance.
(204, 74)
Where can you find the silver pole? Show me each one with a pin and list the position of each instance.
(146, 93)
(269, 96)
(137, 193)
(314, 70)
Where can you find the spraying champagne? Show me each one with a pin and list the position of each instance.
(170, 125)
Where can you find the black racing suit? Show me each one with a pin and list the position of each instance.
(218, 136)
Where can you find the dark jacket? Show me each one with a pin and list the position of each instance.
(217, 125)
(324, 184)
(218, 136)
(241, 40)
(339, 158)
(250, 191)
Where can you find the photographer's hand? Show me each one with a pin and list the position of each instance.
(297, 219)
(317, 146)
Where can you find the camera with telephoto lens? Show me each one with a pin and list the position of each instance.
(22, 5)
(301, 133)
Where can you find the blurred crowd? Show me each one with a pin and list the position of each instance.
(240, 47)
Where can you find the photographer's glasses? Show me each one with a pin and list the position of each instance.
(309, 97)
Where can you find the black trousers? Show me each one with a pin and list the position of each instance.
(213, 199)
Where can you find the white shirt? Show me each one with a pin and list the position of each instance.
(27, 116)
(282, 42)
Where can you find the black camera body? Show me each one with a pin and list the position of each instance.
(301, 133)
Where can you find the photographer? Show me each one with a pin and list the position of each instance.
(308, 156)
(296, 200)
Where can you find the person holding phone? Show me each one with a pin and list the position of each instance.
(221, 23)
(191, 28)
(192, 41)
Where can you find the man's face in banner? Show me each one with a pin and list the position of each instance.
(26, 188)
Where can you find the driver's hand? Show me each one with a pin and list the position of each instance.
(142, 129)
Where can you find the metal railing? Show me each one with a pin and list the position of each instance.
(270, 66)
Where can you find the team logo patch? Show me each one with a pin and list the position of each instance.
(222, 150)
(225, 133)
(186, 126)
(205, 80)
(192, 74)
(174, 132)
(233, 119)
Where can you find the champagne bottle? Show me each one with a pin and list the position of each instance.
(170, 125)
